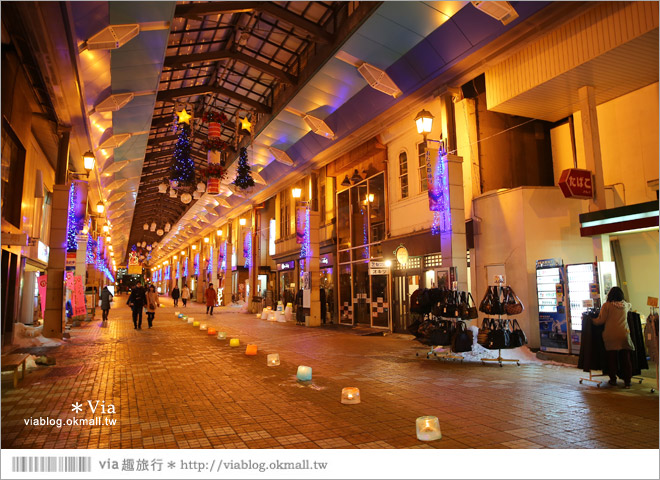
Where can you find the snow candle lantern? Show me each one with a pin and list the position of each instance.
(195, 323)
(304, 373)
(273, 359)
(222, 335)
(251, 350)
(190, 319)
(234, 342)
(178, 314)
(428, 428)
(350, 395)
(272, 317)
(211, 331)
(203, 326)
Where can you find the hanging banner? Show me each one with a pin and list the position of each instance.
(133, 258)
(247, 248)
(438, 189)
(78, 297)
(301, 217)
(43, 283)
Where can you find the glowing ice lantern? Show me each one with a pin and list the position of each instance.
(234, 342)
(203, 326)
(350, 395)
(273, 359)
(272, 317)
(190, 320)
(304, 373)
(428, 429)
(251, 350)
(195, 324)
(211, 331)
(178, 314)
(222, 335)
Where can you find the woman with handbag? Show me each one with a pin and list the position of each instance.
(152, 303)
(616, 335)
(185, 294)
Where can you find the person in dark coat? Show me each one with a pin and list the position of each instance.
(175, 295)
(137, 300)
(211, 298)
(106, 298)
(323, 304)
(300, 316)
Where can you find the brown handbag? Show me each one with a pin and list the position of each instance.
(512, 304)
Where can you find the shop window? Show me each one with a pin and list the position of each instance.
(13, 166)
(285, 222)
(343, 220)
(421, 157)
(433, 261)
(322, 205)
(403, 174)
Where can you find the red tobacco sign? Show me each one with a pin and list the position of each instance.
(576, 183)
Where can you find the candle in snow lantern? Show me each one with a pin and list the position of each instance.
(222, 335)
(251, 350)
(273, 359)
(350, 395)
(211, 331)
(428, 428)
(234, 342)
(304, 373)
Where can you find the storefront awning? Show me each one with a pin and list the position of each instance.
(619, 220)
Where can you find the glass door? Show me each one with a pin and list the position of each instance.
(361, 298)
(380, 301)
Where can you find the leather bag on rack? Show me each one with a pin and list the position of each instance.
(451, 309)
(512, 304)
(517, 337)
(486, 302)
(499, 337)
(486, 326)
(462, 341)
(468, 310)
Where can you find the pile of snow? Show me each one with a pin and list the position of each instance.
(523, 354)
(26, 336)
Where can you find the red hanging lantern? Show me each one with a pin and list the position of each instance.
(213, 186)
(214, 130)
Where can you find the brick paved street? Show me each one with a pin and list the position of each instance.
(174, 386)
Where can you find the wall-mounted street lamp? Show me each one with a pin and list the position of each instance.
(100, 208)
(242, 222)
(424, 122)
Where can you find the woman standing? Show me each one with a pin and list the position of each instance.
(616, 335)
(185, 294)
(175, 295)
(106, 298)
(211, 297)
(152, 303)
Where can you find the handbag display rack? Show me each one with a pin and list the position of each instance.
(501, 300)
(443, 312)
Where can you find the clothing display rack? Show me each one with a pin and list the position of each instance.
(592, 348)
(449, 355)
(651, 340)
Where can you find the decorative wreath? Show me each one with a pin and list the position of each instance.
(208, 117)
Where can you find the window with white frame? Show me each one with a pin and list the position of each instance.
(421, 156)
(403, 174)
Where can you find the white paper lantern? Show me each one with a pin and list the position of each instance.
(143, 244)
(145, 226)
(186, 198)
(201, 187)
(172, 193)
(162, 188)
(196, 195)
(168, 227)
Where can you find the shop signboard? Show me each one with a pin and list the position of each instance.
(43, 284)
(286, 265)
(71, 259)
(652, 302)
(378, 268)
(43, 251)
(576, 183)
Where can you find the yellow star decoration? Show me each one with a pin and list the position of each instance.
(184, 116)
(246, 125)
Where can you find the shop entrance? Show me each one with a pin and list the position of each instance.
(404, 286)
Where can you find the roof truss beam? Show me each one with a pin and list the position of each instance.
(171, 95)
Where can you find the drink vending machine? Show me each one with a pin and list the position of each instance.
(554, 328)
(588, 285)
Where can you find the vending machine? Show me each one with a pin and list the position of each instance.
(588, 285)
(551, 295)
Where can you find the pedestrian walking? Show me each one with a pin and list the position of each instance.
(106, 298)
(175, 295)
(616, 335)
(152, 304)
(137, 300)
(322, 299)
(185, 294)
(211, 297)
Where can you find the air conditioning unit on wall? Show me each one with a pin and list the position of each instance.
(502, 11)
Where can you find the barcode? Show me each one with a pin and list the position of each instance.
(51, 464)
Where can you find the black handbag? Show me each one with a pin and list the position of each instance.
(413, 328)
(486, 303)
(517, 337)
(451, 309)
(499, 337)
(462, 341)
(486, 326)
(442, 335)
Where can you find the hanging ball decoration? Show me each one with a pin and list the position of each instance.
(160, 232)
(186, 198)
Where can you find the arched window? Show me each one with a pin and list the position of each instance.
(403, 174)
